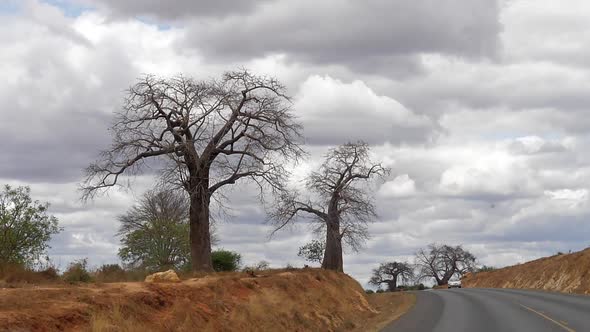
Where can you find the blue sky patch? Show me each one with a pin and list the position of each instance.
(70, 9)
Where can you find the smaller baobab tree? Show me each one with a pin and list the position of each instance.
(390, 273)
(442, 262)
(339, 203)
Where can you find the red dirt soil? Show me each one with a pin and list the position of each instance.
(298, 300)
(568, 273)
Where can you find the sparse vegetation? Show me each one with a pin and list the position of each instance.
(414, 287)
(17, 274)
(110, 273)
(311, 299)
(560, 273)
(485, 268)
(77, 272)
(260, 266)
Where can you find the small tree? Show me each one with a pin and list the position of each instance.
(313, 251)
(442, 262)
(203, 136)
(25, 227)
(341, 206)
(155, 233)
(77, 272)
(390, 273)
(485, 268)
(225, 260)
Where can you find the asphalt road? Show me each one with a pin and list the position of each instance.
(495, 310)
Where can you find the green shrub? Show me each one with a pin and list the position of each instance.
(225, 260)
(110, 273)
(369, 291)
(77, 272)
(486, 268)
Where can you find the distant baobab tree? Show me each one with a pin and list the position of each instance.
(442, 262)
(202, 136)
(390, 273)
(340, 205)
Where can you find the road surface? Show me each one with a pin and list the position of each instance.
(495, 310)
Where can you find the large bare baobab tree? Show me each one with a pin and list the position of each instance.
(442, 262)
(339, 202)
(390, 273)
(201, 136)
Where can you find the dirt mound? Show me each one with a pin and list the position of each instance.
(168, 276)
(569, 273)
(299, 300)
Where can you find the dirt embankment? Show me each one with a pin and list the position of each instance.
(299, 300)
(568, 273)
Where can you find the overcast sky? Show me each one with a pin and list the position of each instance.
(479, 107)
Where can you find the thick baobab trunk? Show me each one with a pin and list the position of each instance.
(392, 285)
(200, 236)
(333, 253)
(445, 280)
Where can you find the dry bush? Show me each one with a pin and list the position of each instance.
(119, 318)
(77, 272)
(110, 273)
(15, 275)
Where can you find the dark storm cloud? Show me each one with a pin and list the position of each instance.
(58, 107)
(176, 9)
(355, 33)
(56, 151)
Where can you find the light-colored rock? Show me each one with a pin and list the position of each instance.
(168, 276)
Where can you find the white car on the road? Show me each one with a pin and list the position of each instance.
(455, 284)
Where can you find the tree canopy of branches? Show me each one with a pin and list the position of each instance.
(155, 232)
(202, 136)
(442, 262)
(340, 205)
(313, 251)
(25, 227)
(390, 273)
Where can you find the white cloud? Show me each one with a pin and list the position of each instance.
(401, 186)
(335, 112)
(575, 196)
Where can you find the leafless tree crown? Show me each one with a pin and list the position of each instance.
(337, 188)
(234, 128)
(392, 272)
(442, 262)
